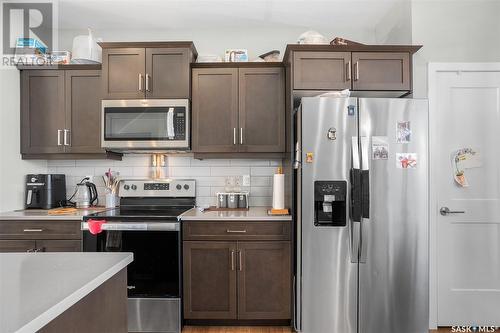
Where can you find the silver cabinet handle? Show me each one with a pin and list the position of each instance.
(147, 81)
(240, 264)
(445, 211)
(348, 70)
(235, 231)
(32, 230)
(232, 260)
(140, 82)
(59, 132)
(234, 136)
(241, 135)
(66, 141)
(356, 71)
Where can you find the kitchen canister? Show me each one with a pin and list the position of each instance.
(221, 200)
(232, 200)
(242, 200)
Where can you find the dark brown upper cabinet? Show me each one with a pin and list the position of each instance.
(42, 111)
(381, 71)
(60, 112)
(147, 70)
(238, 108)
(261, 110)
(215, 110)
(355, 67)
(83, 116)
(322, 70)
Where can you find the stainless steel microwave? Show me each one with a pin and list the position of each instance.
(148, 124)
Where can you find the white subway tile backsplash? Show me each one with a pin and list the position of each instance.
(189, 171)
(61, 163)
(263, 171)
(210, 174)
(261, 191)
(261, 181)
(242, 162)
(230, 171)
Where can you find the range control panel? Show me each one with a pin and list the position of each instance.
(158, 188)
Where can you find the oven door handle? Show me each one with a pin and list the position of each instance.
(137, 226)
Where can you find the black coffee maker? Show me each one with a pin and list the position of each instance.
(45, 191)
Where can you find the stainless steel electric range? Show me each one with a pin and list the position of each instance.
(146, 224)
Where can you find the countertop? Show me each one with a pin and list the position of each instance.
(35, 288)
(42, 214)
(253, 214)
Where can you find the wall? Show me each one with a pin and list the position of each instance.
(453, 31)
(12, 169)
(209, 174)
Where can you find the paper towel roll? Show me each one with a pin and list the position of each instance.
(279, 191)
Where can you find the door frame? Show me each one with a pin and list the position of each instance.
(433, 71)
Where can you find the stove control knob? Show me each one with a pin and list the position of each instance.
(186, 187)
(179, 187)
(126, 187)
(134, 187)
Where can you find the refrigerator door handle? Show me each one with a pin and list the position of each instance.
(365, 177)
(355, 207)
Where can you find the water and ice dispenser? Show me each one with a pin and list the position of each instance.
(330, 206)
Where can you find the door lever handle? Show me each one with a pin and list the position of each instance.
(445, 211)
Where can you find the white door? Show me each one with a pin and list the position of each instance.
(465, 113)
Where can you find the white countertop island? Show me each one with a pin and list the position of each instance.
(35, 288)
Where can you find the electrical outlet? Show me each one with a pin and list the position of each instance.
(246, 180)
(237, 181)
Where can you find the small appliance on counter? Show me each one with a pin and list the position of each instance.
(45, 191)
(85, 195)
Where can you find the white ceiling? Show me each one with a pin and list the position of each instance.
(190, 14)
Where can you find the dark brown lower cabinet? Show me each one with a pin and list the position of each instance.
(209, 280)
(7, 246)
(263, 280)
(237, 280)
(40, 236)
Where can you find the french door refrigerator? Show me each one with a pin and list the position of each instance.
(362, 215)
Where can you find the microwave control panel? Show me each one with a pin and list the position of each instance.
(179, 123)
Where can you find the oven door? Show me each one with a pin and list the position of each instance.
(154, 276)
(145, 124)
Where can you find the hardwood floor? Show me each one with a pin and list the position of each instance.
(257, 329)
(236, 329)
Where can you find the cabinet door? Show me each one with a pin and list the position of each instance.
(381, 71)
(261, 110)
(59, 245)
(322, 70)
(83, 111)
(42, 111)
(264, 276)
(123, 73)
(215, 110)
(167, 73)
(209, 280)
(16, 246)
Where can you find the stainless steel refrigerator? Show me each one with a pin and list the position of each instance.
(362, 215)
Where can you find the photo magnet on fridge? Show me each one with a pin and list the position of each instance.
(380, 148)
(406, 160)
(403, 132)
